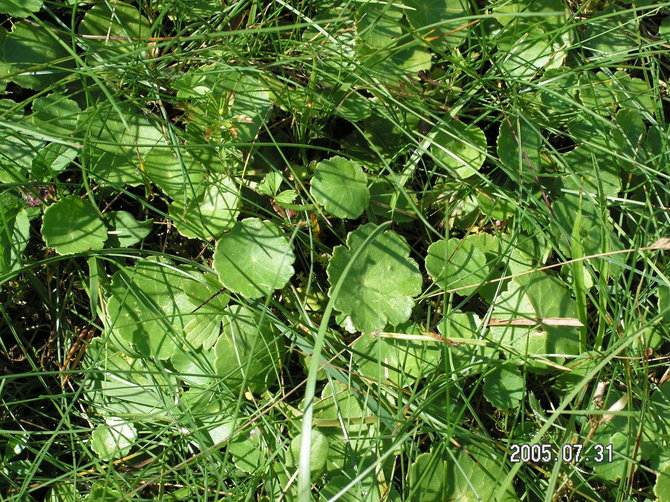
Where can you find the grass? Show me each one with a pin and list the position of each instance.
(574, 195)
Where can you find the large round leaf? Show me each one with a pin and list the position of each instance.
(248, 350)
(254, 259)
(381, 283)
(460, 147)
(71, 225)
(457, 263)
(340, 185)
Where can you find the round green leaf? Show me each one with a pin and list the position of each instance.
(456, 263)
(179, 177)
(460, 147)
(120, 28)
(381, 283)
(123, 130)
(71, 225)
(152, 303)
(254, 259)
(378, 25)
(114, 439)
(340, 185)
(504, 386)
(399, 361)
(248, 350)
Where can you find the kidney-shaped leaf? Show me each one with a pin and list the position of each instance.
(400, 361)
(210, 215)
(254, 259)
(113, 28)
(71, 225)
(32, 53)
(529, 299)
(457, 263)
(381, 283)
(340, 185)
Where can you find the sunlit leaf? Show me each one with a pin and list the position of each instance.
(72, 225)
(254, 258)
(381, 283)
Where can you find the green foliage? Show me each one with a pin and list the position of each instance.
(352, 250)
(254, 258)
(381, 280)
(72, 226)
(457, 264)
(340, 186)
(247, 352)
(459, 147)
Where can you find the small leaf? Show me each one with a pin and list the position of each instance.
(126, 230)
(378, 25)
(152, 303)
(254, 259)
(504, 386)
(381, 282)
(535, 296)
(456, 263)
(178, 176)
(14, 236)
(518, 147)
(51, 160)
(340, 185)
(114, 439)
(270, 184)
(72, 225)
(662, 486)
(248, 351)
(460, 147)
(607, 33)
